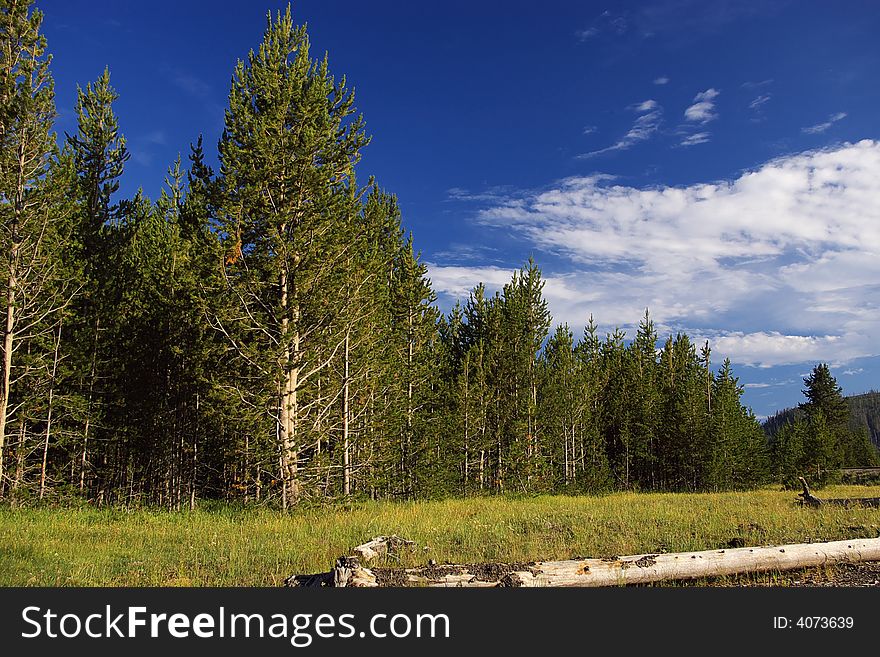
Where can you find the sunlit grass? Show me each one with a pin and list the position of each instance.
(259, 547)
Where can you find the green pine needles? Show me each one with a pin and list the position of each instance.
(267, 333)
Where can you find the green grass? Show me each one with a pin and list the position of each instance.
(234, 547)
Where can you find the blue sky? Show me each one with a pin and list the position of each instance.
(717, 162)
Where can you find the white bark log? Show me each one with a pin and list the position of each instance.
(646, 568)
(617, 571)
(380, 547)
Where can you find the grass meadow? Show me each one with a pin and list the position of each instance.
(260, 547)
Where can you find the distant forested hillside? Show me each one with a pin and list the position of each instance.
(864, 411)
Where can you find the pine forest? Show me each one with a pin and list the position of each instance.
(265, 332)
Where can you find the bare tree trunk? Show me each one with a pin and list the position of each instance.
(565, 443)
(289, 382)
(195, 461)
(247, 466)
(282, 470)
(293, 425)
(409, 410)
(8, 343)
(84, 460)
(346, 457)
(19, 455)
(49, 413)
(467, 403)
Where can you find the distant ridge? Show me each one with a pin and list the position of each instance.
(864, 411)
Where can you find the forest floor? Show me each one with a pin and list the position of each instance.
(230, 546)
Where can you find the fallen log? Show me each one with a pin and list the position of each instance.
(382, 546)
(614, 571)
(808, 499)
(348, 570)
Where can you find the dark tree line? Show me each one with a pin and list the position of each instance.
(820, 436)
(865, 413)
(585, 414)
(267, 333)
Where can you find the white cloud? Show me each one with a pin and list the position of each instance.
(590, 129)
(645, 106)
(457, 252)
(661, 80)
(457, 282)
(642, 129)
(156, 137)
(696, 138)
(781, 265)
(853, 372)
(492, 194)
(773, 384)
(191, 84)
(760, 100)
(703, 108)
(588, 33)
(822, 127)
(766, 349)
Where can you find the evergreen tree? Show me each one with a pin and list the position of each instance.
(738, 449)
(642, 363)
(27, 219)
(287, 156)
(787, 453)
(269, 333)
(99, 154)
(591, 453)
(828, 422)
(413, 318)
(563, 405)
(523, 325)
(685, 449)
(826, 397)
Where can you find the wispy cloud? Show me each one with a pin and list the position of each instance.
(643, 128)
(142, 157)
(822, 127)
(606, 24)
(703, 108)
(686, 20)
(458, 253)
(661, 80)
(191, 84)
(694, 139)
(757, 107)
(644, 106)
(156, 137)
(773, 384)
(757, 85)
(588, 33)
(490, 194)
(853, 372)
(142, 146)
(457, 281)
(700, 112)
(778, 266)
(758, 102)
(590, 129)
